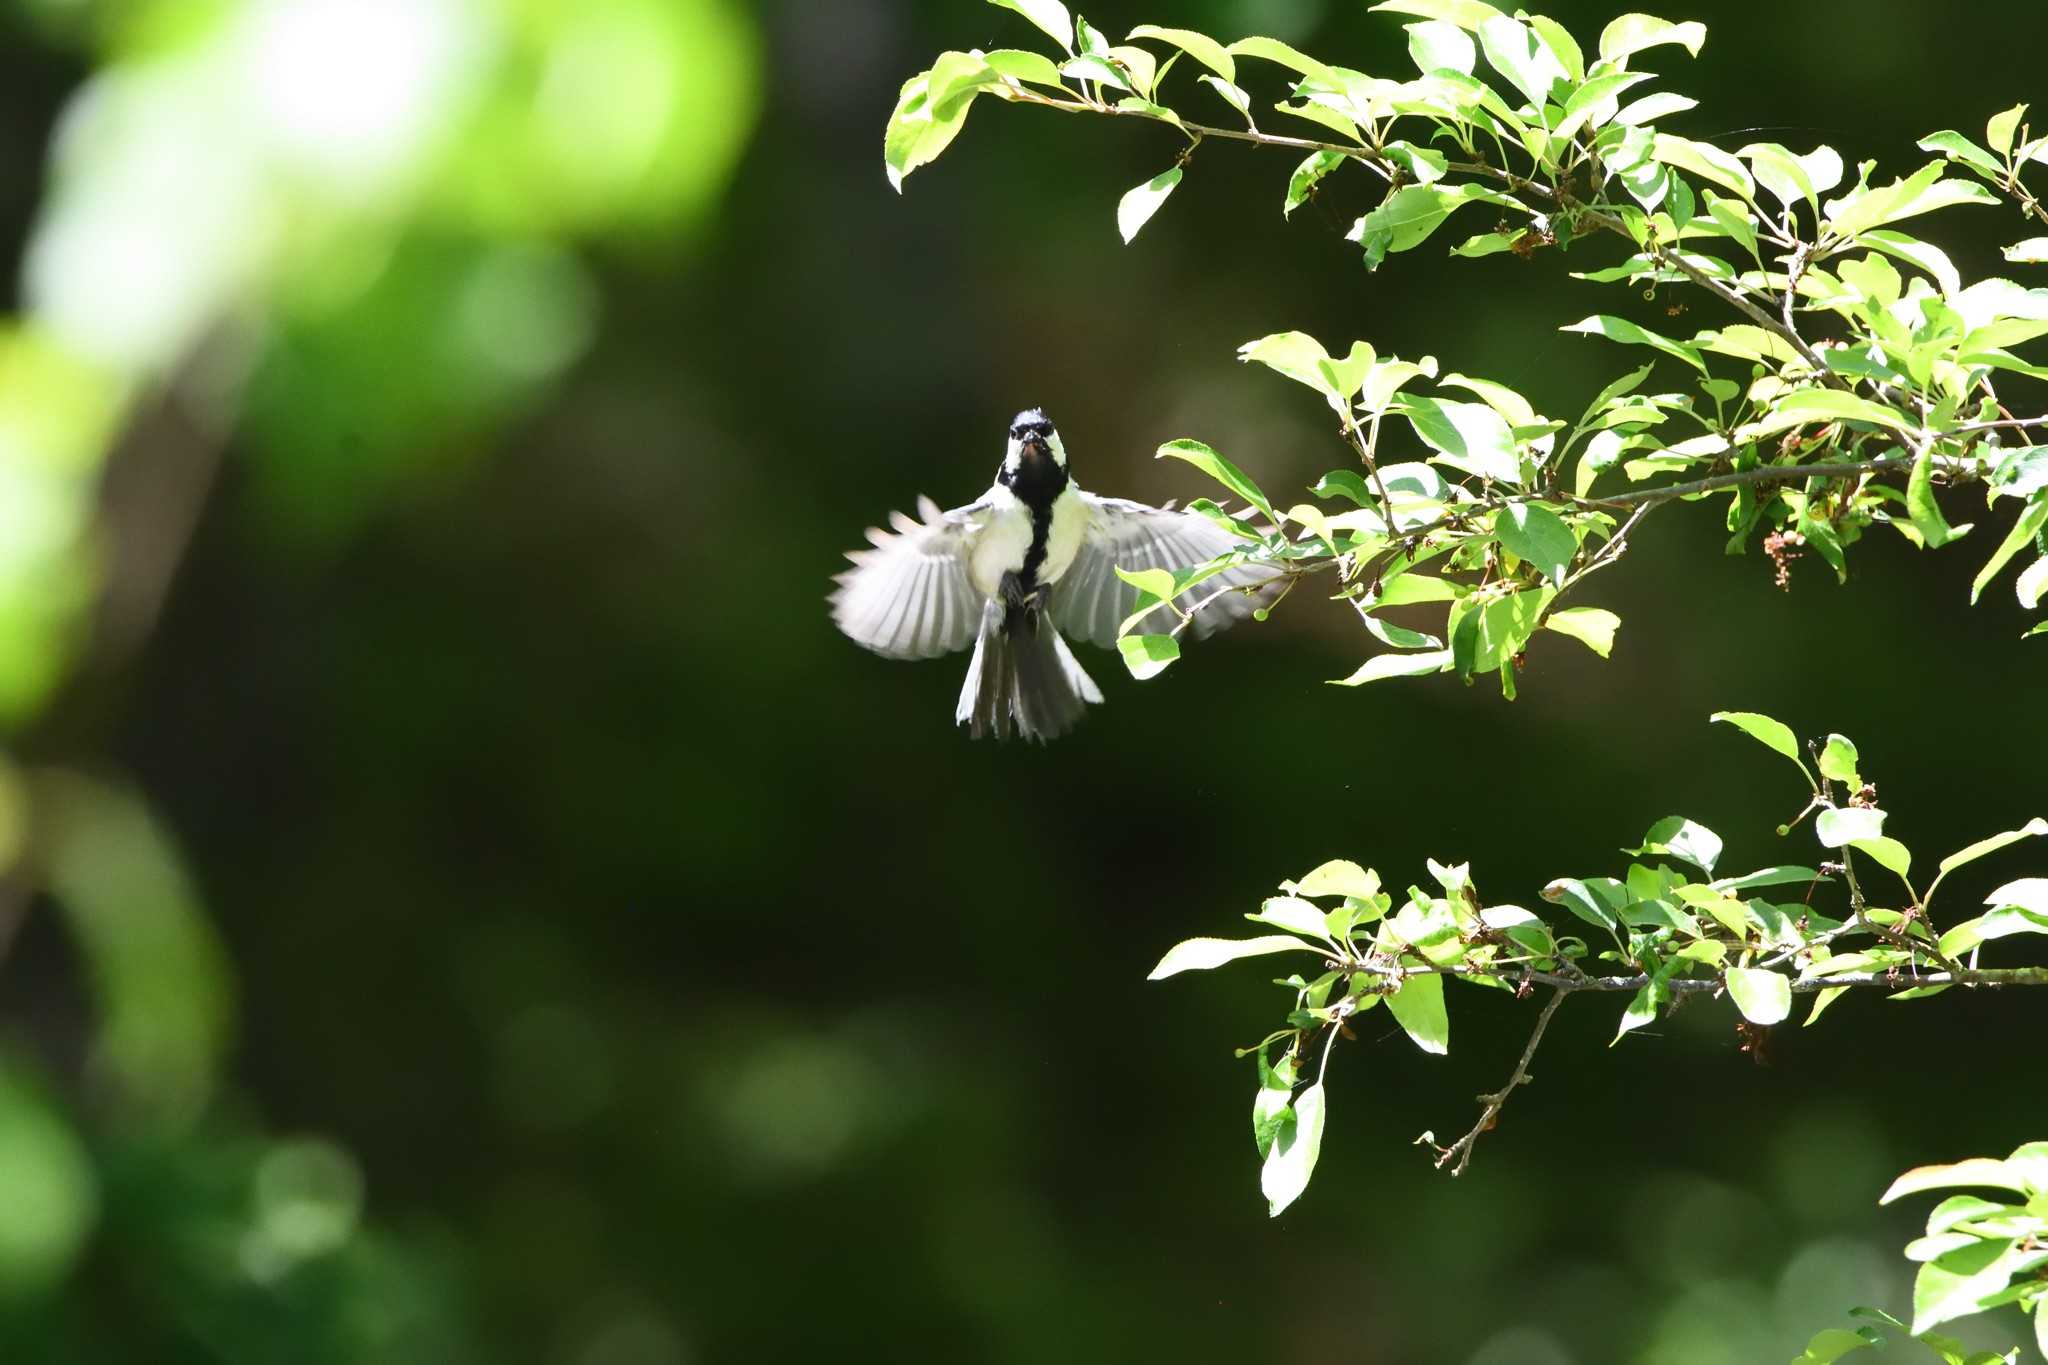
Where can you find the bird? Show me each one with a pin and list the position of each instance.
(1031, 561)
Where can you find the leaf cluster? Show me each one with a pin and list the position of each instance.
(1854, 376)
(1674, 924)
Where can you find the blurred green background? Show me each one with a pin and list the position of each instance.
(463, 901)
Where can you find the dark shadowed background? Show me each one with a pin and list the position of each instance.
(469, 904)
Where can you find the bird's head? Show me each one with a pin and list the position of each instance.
(1035, 452)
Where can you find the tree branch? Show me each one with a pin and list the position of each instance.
(1994, 977)
(1462, 1148)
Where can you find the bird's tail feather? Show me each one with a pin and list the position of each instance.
(1023, 679)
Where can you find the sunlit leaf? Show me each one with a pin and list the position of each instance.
(1419, 1008)
(1382, 666)
(1147, 656)
(1295, 1148)
(1050, 15)
(1593, 627)
(1532, 532)
(1764, 997)
(1136, 208)
(1470, 437)
(1622, 330)
(1217, 468)
(1201, 47)
(1770, 733)
(1632, 33)
(1839, 825)
(1437, 45)
(1682, 838)
(1201, 954)
(2031, 519)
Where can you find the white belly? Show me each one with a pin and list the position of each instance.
(1069, 524)
(1006, 538)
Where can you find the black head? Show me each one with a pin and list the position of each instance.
(1035, 464)
(1031, 422)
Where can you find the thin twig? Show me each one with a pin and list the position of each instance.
(1462, 1148)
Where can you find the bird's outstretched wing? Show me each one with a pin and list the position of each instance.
(909, 597)
(1090, 602)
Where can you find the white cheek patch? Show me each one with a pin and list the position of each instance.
(1059, 449)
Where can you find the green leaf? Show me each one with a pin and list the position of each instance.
(1887, 853)
(1201, 954)
(1821, 1000)
(2000, 923)
(1998, 129)
(1342, 378)
(1922, 192)
(1632, 33)
(1273, 50)
(1959, 148)
(1642, 1008)
(1985, 847)
(1201, 47)
(160, 976)
(1518, 52)
(1419, 1008)
(1232, 96)
(1295, 1149)
(1593, 627)
(1780, 172)
(1964, 1281)
(1839, 825)
(1838, 761)
(1974, 1173)
(1049, 15)
(957, 77)
(1487, 633)
(1147, 656)
(2032, 584)
(1293, 914)
(1089, 67)
(2033, 251)
(1831, 1345)
(1390, 375)
(1339, 877)
(1019, 64)
(1534, 533)
(1217, 468)
(1437, 45)
(1408, 216)
(917, 134)
(1770, 733)
(1297, 355)
(1768, 876)
(1679, 837)
(1920, 504)
(1622, 330)
(1706, 161)
(1764, 997)
(1307, 176)
(1470, 437)
(1595, 900)
(1650, 108)
(1136, 208)
(2031, 519)
(2028, 893)
(1383, 666)
(53, 1195)
(1798, 407)
(1466, 14)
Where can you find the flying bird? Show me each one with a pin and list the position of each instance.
(1032, 560)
